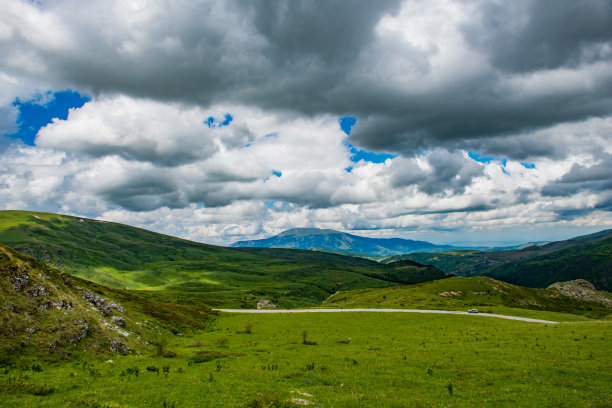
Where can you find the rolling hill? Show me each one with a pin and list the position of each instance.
(341, 242)
(585, 257)
(121, 256)
(486, 294)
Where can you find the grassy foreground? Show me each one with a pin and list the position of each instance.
(350, 360)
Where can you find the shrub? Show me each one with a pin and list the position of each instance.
(206, 355)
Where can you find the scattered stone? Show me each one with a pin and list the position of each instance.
(95, 300)
(63, 304)
(45, 306)
(32, 330)
(117, 307)
(450, 293)
(301, 401)
(109, 361)
(52, 347)
(119, 321)
(20, 280)
(41, 276)
(303, 394)
(67, 281)
(11, 307)
(117, 346)
(82, 327)
(265, 303)
(38, 290)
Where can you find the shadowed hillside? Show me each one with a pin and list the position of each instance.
(586, 257)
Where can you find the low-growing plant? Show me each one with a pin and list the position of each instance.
(36, 368)
(203, 356)
(222, 342)
(305, 339)
(153, 369)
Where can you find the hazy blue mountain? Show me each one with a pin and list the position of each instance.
(336, 241)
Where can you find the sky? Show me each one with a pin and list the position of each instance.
(481, 121)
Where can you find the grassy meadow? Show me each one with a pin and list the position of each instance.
(350, 360)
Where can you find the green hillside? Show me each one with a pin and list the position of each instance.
(125, 257)
(586, 257)
(485, 294)
(47, 314)
(591, 261)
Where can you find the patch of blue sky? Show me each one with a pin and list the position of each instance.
(487, 159)
(359, 154)
(528, 165)
(274, 173)
(39, 112)
(269, 204)
(346, 124)
(211, 122)
(349, 169)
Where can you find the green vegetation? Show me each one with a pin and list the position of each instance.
(125, 257)
(591, 261)
(486, 294)
(359, 359)
(48, 315)
(588, 257)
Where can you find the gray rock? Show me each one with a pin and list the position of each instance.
(103, 304)
(11, 307)
(32, 330)
(117, 346)
(119, 321)
(67, 281)
(63, 304)
(38, 290)
(19, 280)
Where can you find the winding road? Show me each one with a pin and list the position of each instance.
(455, 312)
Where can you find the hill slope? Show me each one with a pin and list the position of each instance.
(575, 297)
(341, 242)
(121, 256)
(586, 257)
(46, 313)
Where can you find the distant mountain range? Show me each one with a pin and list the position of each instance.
(341, 242)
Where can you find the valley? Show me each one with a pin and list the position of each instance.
(98, 314)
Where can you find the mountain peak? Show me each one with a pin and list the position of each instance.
(337, 241)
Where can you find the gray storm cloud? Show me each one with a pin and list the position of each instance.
(334, 57)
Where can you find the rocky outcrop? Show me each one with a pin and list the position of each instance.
(265, 303)
(38, 290)
(583, 290)
(119, 321)
(103, 304)
(19, 280)
(117, 346)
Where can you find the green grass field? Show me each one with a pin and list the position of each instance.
(391, 360)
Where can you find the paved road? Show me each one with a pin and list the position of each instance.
(523, 319)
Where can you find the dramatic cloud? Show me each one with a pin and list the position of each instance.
(220, 120)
